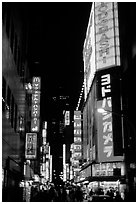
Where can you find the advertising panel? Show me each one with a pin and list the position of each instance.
(31, 146)
(108, 169)
(105, 123)
(35, 113)
(107, 35)
(77, 147)
(101, 47)
(67, 118)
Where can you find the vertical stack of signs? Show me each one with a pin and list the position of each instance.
(107, 63)
(77, 141)
(31, 146)
(35, 114)
(31, 138)
(45, 151)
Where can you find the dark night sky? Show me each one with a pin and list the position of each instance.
(58, 31)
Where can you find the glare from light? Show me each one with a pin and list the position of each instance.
(101, 110)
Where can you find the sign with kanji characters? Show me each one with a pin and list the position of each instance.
(107, 169)
(35, 112)
(31, 146)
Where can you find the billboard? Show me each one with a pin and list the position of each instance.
(107, 35)
(101, 47)
(31, 146)
(107, 150)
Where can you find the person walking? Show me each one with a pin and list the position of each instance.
(79, 194)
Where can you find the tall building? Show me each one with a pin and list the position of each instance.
(109, 64)
(14, 103)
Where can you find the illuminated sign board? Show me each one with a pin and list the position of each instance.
(35, 125)
(77, 147)
(77, 140)
(36, 83)
(101, 47)
(77, 155)
(107, 169)
(35, 113)
(67, 118)
(35, 110)
(107, 35)
(105, 122)
(31, 146)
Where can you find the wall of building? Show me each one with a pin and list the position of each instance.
(14, 75)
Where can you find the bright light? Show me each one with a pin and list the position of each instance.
(101, 110)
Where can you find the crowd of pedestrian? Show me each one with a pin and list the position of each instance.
(61, 193)
(111, 193)
(72, 193)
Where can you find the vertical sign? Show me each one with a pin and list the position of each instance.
(101, 47)
(64, 162)
(35, 113)
(105, 122)
(67, 118)
(31, 146)
(107, 35)
(77, 155)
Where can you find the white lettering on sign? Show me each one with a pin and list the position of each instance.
(107, 129)
(107, 138)
(77, 139)
(105, 84)
(77, 132)
(77, 124)
(108, 150)
(107, 115)
(35, 113)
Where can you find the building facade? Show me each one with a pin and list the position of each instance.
(109, 137)
(15, 103)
